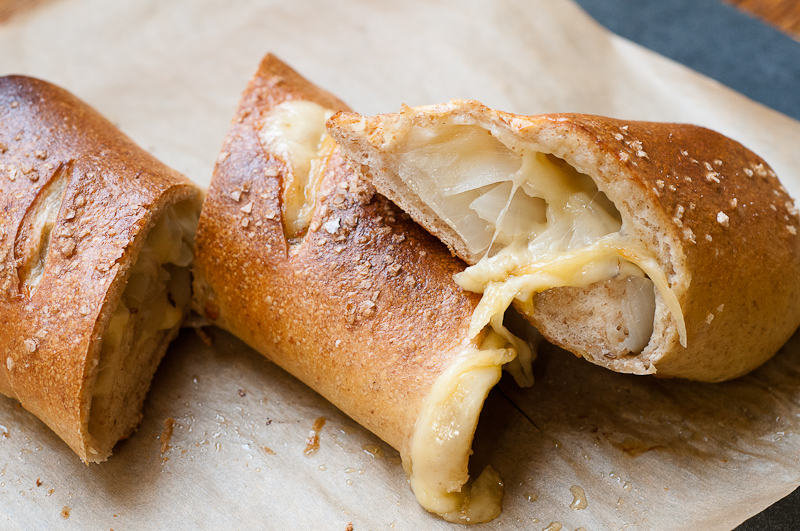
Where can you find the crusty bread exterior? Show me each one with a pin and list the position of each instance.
(723, 229)
(112, 193)
(366, 314)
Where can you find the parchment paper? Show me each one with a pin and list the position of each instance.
(649, 453)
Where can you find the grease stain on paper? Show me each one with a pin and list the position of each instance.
(312, 441)
(579, 501)
(166, 434)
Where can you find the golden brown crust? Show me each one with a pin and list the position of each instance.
(364, 310)
(718, 217)
(112, 191)
(721, 226)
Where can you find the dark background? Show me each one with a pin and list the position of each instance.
(713, 38)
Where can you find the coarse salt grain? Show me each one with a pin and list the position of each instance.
(68, 247)
(332, 225)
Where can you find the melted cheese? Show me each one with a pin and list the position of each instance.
(38, 226)
(513, 274)
(295, 131)
(440, 448)
(158, 290)
(441, 445)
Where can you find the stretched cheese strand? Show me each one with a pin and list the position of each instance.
(512, 275)
(538, 222)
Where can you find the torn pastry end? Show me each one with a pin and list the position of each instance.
(347, 293)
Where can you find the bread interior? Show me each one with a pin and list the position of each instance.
(147, 317)
(537, 232)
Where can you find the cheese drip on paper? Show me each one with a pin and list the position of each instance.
(437, 463)
(537, 222)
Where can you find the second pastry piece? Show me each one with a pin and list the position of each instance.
(95, 246)
(298, 256)
(643, 247)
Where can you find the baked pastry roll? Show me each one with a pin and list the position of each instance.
(300, 258)
(95, 245)
(647, 248)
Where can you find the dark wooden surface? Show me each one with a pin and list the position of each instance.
(783, 14)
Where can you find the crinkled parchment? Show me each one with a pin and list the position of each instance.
(648, 453)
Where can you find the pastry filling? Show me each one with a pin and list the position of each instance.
(537, 222)
(157, 292)
(442, 441)
(295, 130)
